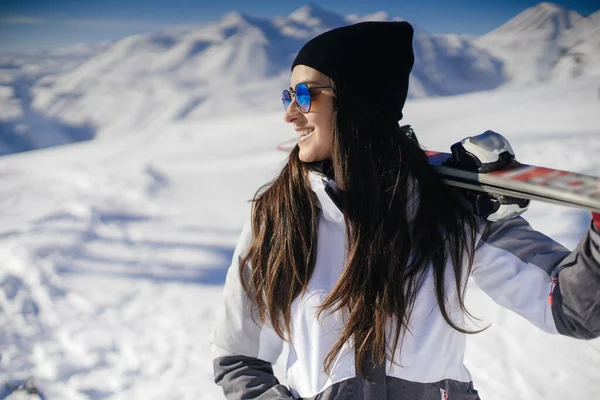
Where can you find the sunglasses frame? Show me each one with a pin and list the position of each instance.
(292, 95)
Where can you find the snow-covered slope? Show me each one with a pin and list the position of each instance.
(580, 50)
(308, 21)
(530, 43)
(114, 252)
(22, 126)
(217, 68)
(451, 64)
(154, 79)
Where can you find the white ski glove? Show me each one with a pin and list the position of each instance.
(488, 152)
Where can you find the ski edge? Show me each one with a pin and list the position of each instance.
(494, 183)
(513, 193)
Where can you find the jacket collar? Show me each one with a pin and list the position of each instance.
(329, 196)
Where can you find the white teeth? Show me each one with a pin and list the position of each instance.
(306, 132)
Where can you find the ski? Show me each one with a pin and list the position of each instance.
(486, 163)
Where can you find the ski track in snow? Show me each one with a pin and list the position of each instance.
(114, 252)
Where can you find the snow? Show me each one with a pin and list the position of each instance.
(376, 16)
(114, 250)
(22, 126)
(541, 43)
(11, 108)
(450, 64)
(313, 19)
(193, 73)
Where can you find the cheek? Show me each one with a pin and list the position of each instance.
(324, 132)
(325, 124)
(326, 137)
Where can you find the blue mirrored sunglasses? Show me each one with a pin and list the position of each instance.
(301, 93)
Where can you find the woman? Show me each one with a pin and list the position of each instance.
(358, 256)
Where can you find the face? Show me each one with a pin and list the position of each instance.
(315, 128)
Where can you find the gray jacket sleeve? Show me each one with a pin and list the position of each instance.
(576, 295)
(531, 274)
(243, 350)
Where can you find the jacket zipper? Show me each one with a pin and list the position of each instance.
(554, 277)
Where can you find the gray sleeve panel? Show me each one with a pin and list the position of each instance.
(248, 378)
(576, 296)
(575, 309)
(513, 264)
(517, 237)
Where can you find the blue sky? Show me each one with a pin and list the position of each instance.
(29, 25)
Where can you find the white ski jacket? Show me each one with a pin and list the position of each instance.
(513, 264)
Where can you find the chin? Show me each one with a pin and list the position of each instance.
(308, 157)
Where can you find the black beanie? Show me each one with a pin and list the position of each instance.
(372, 60)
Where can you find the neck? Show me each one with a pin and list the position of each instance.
(324, 167)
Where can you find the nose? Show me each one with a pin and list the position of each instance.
(292, 112)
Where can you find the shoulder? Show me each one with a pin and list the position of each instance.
(245, 238)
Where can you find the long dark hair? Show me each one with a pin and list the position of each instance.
(400, 220)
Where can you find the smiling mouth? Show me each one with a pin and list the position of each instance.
(306, 132)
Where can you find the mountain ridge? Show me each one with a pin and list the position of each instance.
(193, 73)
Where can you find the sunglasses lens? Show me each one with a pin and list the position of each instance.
(303, 97)
(286, 98)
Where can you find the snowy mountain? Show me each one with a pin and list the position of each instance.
(22, 126)
(153, 79)
(580, 50)
(451, 64)
(236, 65)
(309, 21)
(530, 44)
(114, 251)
